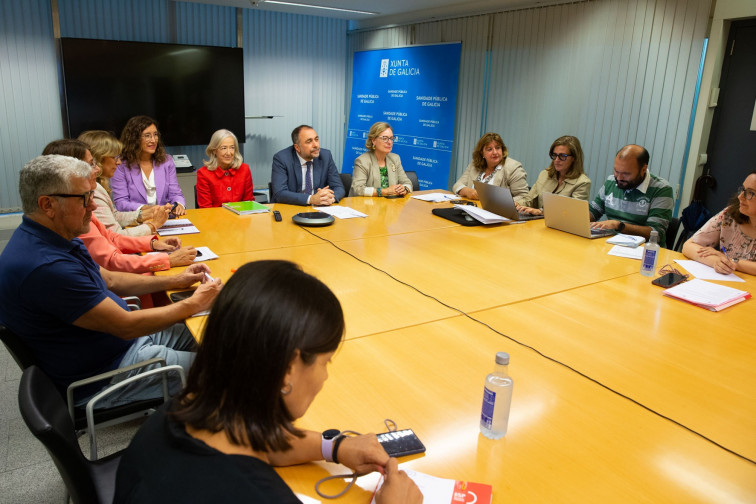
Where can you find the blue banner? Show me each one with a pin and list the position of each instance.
(415, 90)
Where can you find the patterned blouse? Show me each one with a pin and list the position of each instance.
(722, 231)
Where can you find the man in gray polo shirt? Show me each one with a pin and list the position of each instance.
(634, 201)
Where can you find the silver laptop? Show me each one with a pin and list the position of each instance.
(570, 215)
(499, 200)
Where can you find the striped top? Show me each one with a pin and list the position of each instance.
(649, 204)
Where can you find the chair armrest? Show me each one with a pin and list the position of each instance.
(104, 376)
(133, 301)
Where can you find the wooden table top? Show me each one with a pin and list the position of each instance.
(409, 357)
(569, 440)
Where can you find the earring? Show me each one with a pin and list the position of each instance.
(287, 389)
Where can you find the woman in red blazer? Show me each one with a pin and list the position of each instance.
(224, 178)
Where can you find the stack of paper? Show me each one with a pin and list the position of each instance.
(626, 240)
(435, 197)
(246, 207)
(481, 215)
(707, 295)
(341, 212)
(177, 227)
(442, 490)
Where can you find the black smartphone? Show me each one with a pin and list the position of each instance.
(669, 280)
(394, 196)
(180, 296)
(400, 443)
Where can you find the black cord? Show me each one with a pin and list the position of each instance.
(552, 359)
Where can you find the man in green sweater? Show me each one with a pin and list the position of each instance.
(634, 201)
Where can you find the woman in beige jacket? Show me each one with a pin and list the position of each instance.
(564, 176)
(379, 172)
(491, 165)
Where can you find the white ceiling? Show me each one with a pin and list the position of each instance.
(386, 12)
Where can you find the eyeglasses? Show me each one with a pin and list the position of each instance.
(150, 136)
(749, 193)
(87, 197)
(226, 148)
(563, 157)
(386, 139)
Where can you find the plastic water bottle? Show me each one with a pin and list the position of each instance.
(497, 397)
(650, 255)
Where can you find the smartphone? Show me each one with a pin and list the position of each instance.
(180, 296)
(669, 280)
(400, 443)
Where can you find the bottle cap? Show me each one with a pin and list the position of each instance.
(502, 358)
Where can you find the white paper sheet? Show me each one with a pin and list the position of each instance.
(626, 240)
(177, 227)
(705, 272)
(436, 197)
(481, 215)
(341, 212)
(623, 251)
(204, 254)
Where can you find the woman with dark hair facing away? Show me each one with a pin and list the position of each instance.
(565, 176)
(225, 177)
(147, 174)
(106, 151)
(491, 164)
(727, 242)
(263, 358)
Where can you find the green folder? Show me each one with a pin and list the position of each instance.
(246, 207)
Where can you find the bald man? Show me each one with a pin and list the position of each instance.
(634, 201)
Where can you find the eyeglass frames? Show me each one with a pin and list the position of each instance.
(87, 196)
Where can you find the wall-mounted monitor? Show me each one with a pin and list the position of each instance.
(190, 90)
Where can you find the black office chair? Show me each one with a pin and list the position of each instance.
(102, 417)
(412, 175)
(45, 414)
(672, 228)
(346, 181)
(196, 204)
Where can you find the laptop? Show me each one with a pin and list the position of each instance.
(570, 215)
(499, 200)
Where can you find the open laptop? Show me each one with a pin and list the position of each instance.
(570, 215)
(499, 200)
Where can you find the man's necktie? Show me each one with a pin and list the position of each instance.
(308, 178)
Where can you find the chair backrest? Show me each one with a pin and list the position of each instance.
(412, 175)
(47, 418)
(672, 228)
(196, 204)
(17, 348)
(346, 181)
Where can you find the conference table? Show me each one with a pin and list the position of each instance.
(620, 393)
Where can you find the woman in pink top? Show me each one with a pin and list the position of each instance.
(116, 252)
(727, 242)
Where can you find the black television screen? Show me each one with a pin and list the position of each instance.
(191, 91)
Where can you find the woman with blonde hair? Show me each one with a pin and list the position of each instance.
(379, 172)
(491, 164)
(106, 151)
(565, 175)
(225, 177)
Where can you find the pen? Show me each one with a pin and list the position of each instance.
(724, 252)
(209, 277)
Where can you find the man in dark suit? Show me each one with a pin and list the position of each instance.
(305, 174)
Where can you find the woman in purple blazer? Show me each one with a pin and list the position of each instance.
(147, 175)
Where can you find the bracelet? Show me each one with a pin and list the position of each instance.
(139, 216)
(152, 227)
(152, 243)
(336, 443)
(379, 191)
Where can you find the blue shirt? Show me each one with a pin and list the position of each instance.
(46, 283)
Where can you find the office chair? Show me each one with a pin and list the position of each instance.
(346, 181)
(412, 175)
(103, 417)
(672, 228)
(44, 413)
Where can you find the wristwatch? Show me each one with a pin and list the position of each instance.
(621, 227)
(326, 443)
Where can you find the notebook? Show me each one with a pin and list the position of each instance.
(499, 200)
(570, 215)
